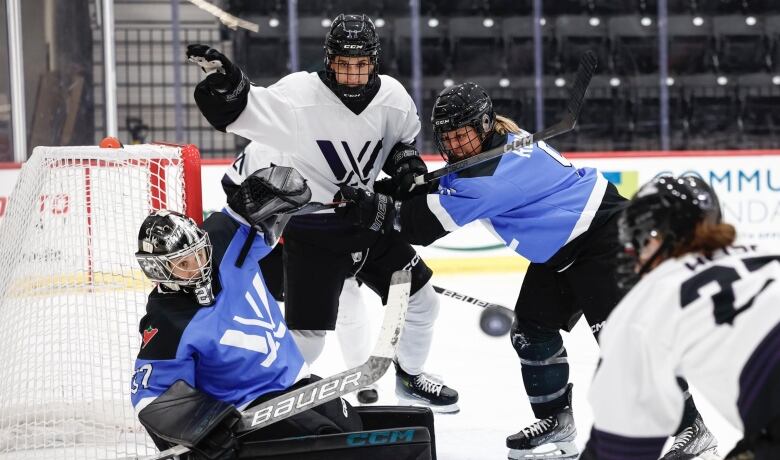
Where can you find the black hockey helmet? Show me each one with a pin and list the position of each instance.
(351, 35)
(668, 208)
(466, 104)
(174, 251)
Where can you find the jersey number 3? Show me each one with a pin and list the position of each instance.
(723, 301)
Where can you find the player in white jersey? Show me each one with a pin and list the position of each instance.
(339, 126)
(702, 308)
(562, 218)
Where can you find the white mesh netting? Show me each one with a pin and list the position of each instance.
(71, 297)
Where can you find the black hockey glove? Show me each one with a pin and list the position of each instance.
(385, 186)
(373, 211)
(403, 164)
(222, 95)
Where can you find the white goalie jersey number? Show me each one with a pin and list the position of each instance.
(146, 369)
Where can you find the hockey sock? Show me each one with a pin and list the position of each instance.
(689, 411)
(545, 369)
(310, 343)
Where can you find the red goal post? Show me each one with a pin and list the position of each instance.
(72, 295)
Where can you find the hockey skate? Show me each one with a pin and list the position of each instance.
(548, 438)
(695, 441)
(422, 390)
(367, 395)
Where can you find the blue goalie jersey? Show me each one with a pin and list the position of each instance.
(534, 199)
(234, 350)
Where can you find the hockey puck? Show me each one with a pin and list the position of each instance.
(495, 321)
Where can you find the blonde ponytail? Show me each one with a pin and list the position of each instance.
(506, 125)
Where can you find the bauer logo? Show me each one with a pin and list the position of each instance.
(627, 182)
(342, 385)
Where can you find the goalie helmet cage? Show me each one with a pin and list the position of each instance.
(72, 295)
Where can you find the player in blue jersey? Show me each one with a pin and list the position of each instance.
(560, 217)
(214, 341)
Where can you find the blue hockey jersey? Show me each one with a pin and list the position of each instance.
(234, 350)
(534, 200)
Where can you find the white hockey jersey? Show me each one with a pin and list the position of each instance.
(698, 318)
(299, 122)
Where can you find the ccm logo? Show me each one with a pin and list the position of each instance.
(441, 122)
(352, 47)
(380, 437)
(284, 406)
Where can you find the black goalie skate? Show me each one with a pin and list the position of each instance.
(422, 390)
(548, 438)
(695, 441)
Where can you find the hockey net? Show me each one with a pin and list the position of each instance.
(72, 295)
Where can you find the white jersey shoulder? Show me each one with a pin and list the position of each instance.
(299, 122)
(697, 317)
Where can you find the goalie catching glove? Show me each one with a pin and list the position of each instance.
(222, 95)
(373, 211)
(266, 197)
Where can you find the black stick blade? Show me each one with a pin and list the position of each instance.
(585, 71)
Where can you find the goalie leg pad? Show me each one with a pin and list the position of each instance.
(336, 416)
(407, 443)
(384, 417)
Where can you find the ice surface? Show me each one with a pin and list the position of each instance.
(486, 372)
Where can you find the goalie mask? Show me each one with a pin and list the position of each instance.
(352, 51)
(175, 252)
(462, 117)
(667, 209)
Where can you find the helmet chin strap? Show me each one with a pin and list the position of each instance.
(203, 294)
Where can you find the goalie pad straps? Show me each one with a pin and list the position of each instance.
(267, 195)
(186, 416)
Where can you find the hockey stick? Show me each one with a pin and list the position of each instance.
(314, 206)
(471, 300)
(582, 79)
(495, 320)
(322, 391)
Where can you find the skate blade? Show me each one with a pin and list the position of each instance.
(549, 451)
(709, 454)
(446, 409)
